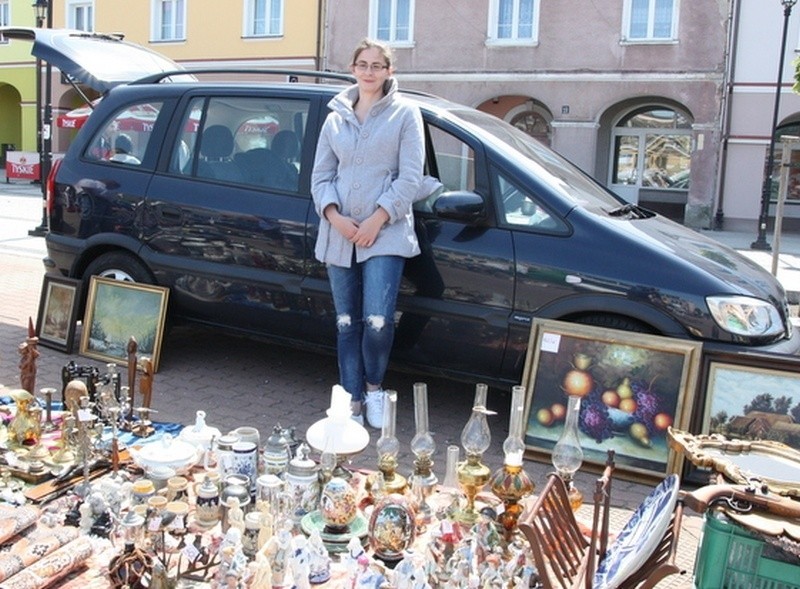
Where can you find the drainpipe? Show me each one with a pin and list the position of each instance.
(727, 98)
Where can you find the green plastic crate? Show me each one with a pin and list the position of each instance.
(730, 557)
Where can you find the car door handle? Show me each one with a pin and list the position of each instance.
(170, 214)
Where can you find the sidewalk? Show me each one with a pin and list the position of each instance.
(240, 381)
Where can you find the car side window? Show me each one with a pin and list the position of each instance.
(521, 208)
(246, 140)
(125, 138)
(452, 162)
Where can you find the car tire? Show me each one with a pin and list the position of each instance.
(119, 266)
(619, 322)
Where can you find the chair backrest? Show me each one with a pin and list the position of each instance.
(560, 550)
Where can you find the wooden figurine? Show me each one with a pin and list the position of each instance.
(27, 363)
(132, 348)
(146, 380)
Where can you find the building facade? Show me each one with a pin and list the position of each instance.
(666, 102)
(632, 94)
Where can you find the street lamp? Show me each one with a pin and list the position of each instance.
(761, 240)
(44, 113)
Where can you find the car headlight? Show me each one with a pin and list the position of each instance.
(748, 316)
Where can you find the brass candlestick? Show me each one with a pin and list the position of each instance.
(48, 393)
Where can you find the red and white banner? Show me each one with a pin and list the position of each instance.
(22, 165)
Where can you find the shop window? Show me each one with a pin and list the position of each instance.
(652, 149)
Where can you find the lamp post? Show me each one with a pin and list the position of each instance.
(44, 113)
(761, 240)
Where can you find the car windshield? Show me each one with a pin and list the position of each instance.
(561, 175)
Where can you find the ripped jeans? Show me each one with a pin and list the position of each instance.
(365, 296)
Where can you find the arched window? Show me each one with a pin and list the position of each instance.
(534, 124)
(652, 149)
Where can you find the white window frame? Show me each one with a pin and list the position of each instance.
(394, 41)
(5, 16)
(248, 25)
(179, 21)
(494, 24)
(626, 24)
(72, 7)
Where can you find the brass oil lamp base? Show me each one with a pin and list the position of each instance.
(472, 477)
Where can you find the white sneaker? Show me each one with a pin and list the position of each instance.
(359, 419)
(374, 403)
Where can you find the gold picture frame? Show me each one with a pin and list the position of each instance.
(624, 378)
(58, 312)
(117, 310)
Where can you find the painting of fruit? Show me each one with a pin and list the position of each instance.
(632, 387)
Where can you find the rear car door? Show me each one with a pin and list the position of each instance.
(224, 220)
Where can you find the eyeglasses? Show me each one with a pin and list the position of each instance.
(363, 66)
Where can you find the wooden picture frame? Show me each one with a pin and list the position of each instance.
(747, 396)
(58, 312)
(117, 310)
(625, 378)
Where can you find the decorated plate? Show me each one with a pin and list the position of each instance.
(640, 537)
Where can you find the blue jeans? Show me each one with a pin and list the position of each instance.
(365, 296)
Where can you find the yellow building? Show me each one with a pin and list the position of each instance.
(280, 34)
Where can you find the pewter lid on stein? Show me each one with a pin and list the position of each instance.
(227, 441)
(301, 464)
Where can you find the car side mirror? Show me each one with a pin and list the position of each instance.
(460, 205)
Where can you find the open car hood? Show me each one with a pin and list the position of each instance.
(101, 61)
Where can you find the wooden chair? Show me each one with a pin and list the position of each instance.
(561, 551)
(566, 559)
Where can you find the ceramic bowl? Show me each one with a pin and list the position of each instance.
(167, 452)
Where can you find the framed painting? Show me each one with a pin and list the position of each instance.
(117, 311)
(749, 397)
(632, 388)
(58, 312)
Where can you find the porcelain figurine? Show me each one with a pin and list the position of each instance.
(24, 429)
(235, 514)
(279, 551)
(300, 563)
(266, 528)
(319, 559)
(260, 572)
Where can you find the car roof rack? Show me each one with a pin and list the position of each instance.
(161, 76)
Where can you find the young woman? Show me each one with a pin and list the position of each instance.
(367, 173)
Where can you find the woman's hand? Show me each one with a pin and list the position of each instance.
(368, 229)
(344, 225)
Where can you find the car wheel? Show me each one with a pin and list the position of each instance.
(615, 322)
(118, 266)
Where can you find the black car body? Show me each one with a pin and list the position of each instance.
(517, 233)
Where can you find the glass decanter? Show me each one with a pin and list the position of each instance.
(567, 453)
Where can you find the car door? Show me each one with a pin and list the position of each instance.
(456, 296)
(225, 217)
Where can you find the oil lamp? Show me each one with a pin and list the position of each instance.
(475, 438)
(510, 482)
(567, 453)
(388, 446)
(423, 447)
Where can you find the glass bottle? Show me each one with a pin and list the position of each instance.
(476, 439)
(567, 453)
(388, 446)
(510, 482)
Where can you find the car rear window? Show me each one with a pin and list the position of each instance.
(125, 137)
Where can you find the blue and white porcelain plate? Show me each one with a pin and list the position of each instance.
(640, 537)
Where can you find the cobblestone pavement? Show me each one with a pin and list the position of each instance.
(240, 381)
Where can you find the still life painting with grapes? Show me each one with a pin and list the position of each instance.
(632, 388)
